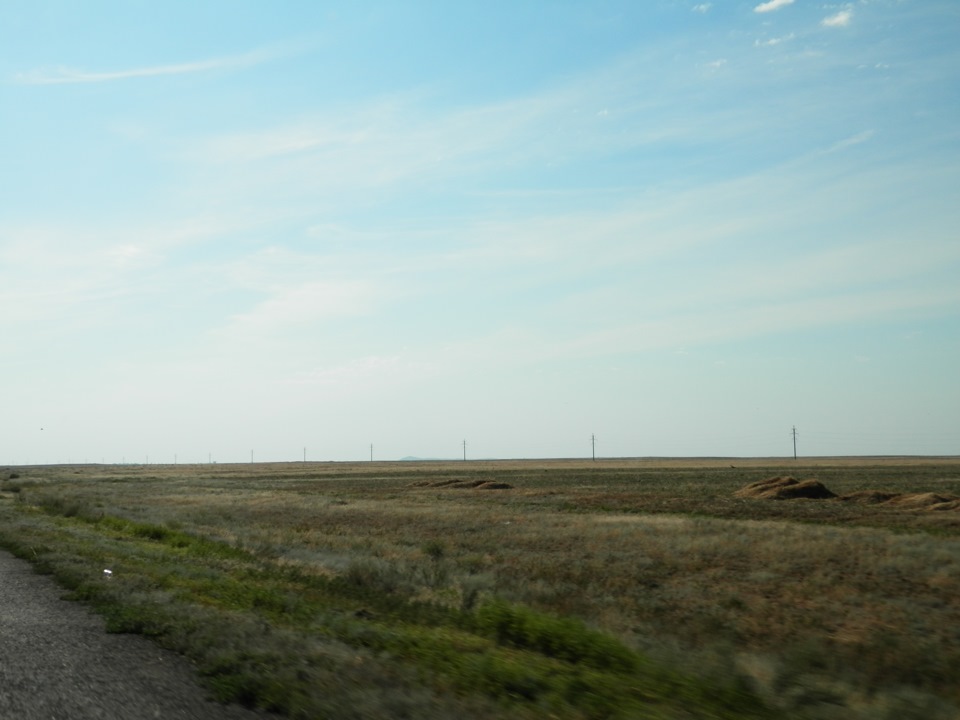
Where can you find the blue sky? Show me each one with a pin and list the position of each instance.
(246, 227)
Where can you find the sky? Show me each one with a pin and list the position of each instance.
(238, 230)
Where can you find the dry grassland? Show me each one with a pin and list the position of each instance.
(423, 589)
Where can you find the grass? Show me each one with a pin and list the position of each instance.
(584, 590)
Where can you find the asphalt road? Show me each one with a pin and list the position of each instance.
(58, 663)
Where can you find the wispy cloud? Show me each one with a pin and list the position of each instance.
(852, 140)
(702, 7)
(772, 5)
(66, 75)
(771, 42)
(306, 305)
(387, 142)
(840, 19)
(385, 368)
(67, 271)
(289, 140)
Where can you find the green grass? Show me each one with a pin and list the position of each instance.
(585, 591)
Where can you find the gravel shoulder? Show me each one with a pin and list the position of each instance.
(57, 662)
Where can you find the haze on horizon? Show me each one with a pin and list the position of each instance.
(684, 227)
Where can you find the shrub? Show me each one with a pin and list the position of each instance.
(563, 638)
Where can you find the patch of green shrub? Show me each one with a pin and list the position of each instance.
(563, 638)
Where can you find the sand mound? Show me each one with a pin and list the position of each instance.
(785, 488)
(495, 486)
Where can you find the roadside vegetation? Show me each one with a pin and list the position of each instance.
(615, 589)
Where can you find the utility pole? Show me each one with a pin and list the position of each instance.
(371, 452)
(794, 433)
(464, 450)
(304, 454)
(593, 447)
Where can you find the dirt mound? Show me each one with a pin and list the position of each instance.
(454, 483)
(463, 484)
(869, 497)
(906, 501)
(925, 501)
(448, 483)
(785, 488)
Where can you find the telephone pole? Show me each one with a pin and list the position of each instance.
(794, 433)
(464, 450)
(593, 447)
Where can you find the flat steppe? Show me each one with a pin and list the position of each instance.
(512, 588)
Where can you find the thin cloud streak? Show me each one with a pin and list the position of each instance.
(69, 76)
(772, 5)
(771, 42)
(850, 141)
